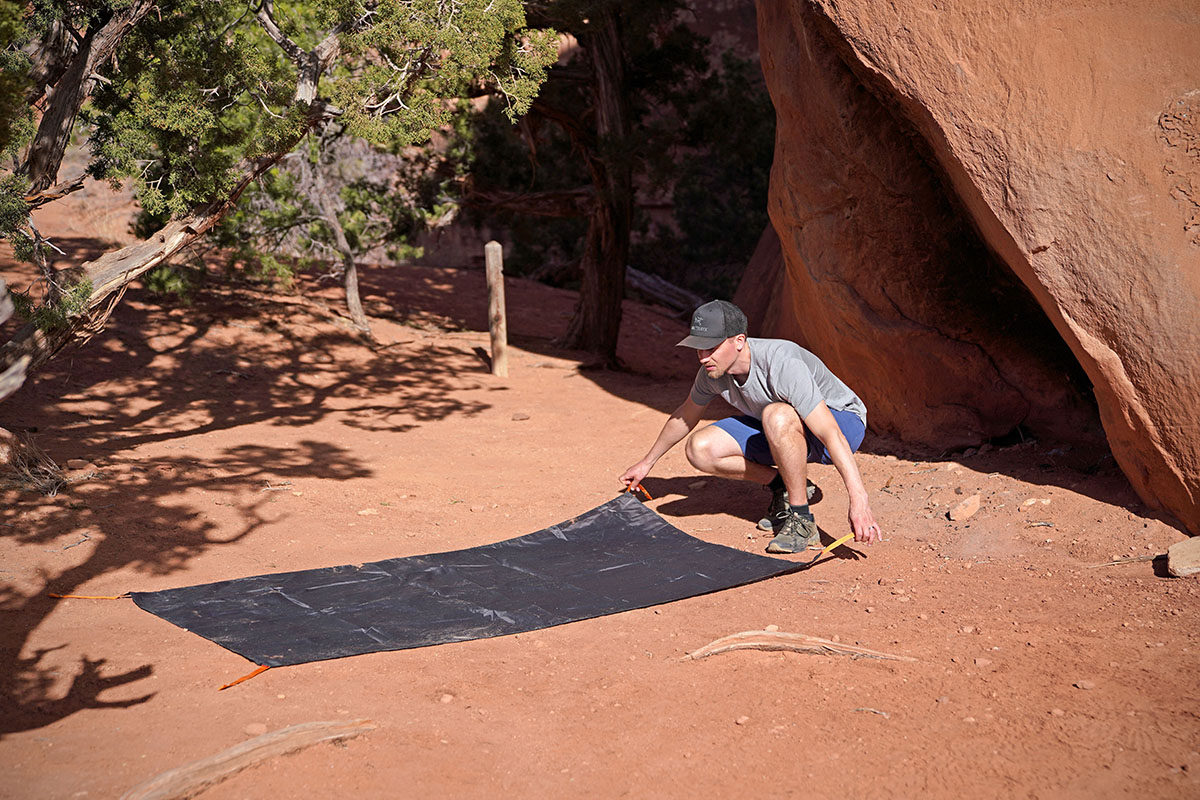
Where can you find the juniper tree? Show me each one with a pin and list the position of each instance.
(195, 101)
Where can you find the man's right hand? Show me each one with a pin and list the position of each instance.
(634, 475)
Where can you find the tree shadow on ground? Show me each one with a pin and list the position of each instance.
(129, 518)
(197, 375)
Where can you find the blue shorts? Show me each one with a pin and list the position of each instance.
(748, 432)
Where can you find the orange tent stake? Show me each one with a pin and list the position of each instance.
(258, 671)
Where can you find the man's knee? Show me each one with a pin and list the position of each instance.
(701, 450)
(781, 421)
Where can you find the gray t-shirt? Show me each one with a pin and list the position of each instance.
(780, 372)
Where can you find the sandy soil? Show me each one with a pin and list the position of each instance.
(248, 433)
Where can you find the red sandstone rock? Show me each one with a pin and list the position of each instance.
(910, 132)
(964, 510)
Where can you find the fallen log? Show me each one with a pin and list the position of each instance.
(792, 642)
(191, 779)
(662, 291)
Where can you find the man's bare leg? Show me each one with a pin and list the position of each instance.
(714, 452)
(785, 433)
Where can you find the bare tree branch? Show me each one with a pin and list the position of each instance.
(56, 192)
(561, 204)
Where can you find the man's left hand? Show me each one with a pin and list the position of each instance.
(863, 523)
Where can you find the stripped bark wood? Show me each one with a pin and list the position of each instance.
(191, 779)
(112, 273)
(497, 316)
(663, 291)
(793, 642)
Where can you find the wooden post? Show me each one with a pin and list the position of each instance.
(497, 319)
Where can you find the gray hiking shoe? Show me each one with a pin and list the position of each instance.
(776, 512)
(796, 535)
(780, 506)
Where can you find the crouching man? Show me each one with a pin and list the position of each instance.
(794, 411)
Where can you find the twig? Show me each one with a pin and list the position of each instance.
(81, 541)
(780, 640)
(280, 488)
(1129, 560)
(883, 714)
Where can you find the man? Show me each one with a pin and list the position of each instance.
(794, 410)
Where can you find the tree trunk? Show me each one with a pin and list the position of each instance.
(70, 92)
(350, 275)
(597, 319)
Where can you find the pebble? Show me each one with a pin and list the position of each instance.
(771, 628)
(255, 729)
(477, 509)
(369, 512)
(1084, 684)
(967, 629)
(446, 698)
(943, 699)
(520, 416)
(1057, 712)
(741, 720)
(77, 463)
(983, 662)
(964, 510)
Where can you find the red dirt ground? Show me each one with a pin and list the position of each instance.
(249, 433)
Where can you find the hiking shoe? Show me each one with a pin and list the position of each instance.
(780, 507)
(776, 512)
(797, 534)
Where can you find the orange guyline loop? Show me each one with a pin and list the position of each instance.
(639, 488)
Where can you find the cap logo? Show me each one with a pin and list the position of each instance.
(729, 321)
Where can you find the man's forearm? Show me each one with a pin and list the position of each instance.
(671, 434)
(843, 460)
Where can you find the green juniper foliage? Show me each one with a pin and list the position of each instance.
(52, 316)
(16, 120)
(198, 88)
(14, 214)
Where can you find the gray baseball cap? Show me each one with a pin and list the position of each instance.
(713, 323)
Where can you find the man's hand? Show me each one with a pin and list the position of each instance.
(863, 523)
(634, 475)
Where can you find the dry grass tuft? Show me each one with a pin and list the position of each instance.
(25, 466)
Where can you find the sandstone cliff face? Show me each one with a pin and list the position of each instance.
(975, 202)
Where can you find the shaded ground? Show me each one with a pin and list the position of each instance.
(248, 433)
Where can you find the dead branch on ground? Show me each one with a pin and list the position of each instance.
(191, 779)
(792, 642)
